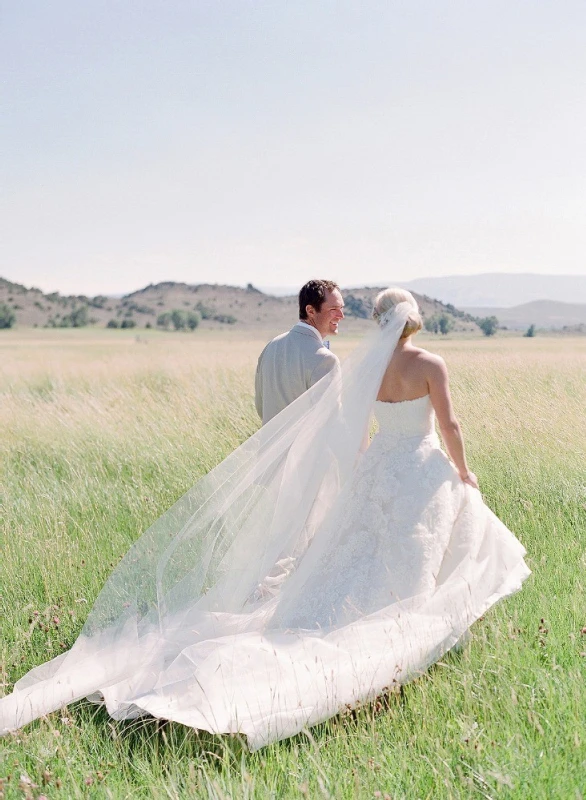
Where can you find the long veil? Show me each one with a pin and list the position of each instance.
(229, 557)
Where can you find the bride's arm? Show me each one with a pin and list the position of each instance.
(439, 392)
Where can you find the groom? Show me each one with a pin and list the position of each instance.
(294, 361)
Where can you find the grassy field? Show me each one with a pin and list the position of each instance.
(101, 431)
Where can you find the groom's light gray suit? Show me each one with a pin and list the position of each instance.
(288, 366)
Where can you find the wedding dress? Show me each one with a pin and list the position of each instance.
(297, 579)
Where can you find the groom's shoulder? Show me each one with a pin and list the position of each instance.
(294, 340)
(281, 338)
(274, 344)
(286, 337)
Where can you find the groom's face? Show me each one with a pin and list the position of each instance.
(331, 312)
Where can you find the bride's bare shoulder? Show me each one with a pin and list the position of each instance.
(430, 364)
(425, 357)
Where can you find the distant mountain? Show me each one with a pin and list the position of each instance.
(218, 306)
(541, 313)
(501, 290)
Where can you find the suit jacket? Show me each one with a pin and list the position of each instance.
(287, 367)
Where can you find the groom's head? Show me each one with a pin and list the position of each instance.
(321, 305)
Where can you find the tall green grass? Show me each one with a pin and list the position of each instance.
(99, 436)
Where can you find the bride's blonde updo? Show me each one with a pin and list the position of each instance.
(388, 299)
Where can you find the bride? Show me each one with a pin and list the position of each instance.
(307, 572)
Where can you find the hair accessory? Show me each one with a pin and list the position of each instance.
(386, 317)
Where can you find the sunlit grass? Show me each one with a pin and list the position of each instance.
(100, 433)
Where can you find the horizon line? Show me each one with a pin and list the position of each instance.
(293, 290)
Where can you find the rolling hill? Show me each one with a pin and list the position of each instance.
(501, 290)
(219, 306)
(545, 314)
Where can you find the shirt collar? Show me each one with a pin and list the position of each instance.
(303, 324)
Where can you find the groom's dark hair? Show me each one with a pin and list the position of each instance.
(314, 294)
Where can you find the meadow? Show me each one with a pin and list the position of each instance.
(100, 431)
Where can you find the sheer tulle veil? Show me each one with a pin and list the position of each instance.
(230, 556)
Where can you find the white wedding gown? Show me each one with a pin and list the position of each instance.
(406, 559)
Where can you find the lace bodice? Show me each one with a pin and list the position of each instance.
(406, 418)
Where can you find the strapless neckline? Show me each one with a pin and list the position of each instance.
(401, 402)
(405, 418)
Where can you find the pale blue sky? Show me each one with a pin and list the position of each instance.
(275, 141)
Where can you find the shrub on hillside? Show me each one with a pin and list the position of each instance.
(193, 320)
(179, 319)
(356, 307)
(78, 318)
(164, 320)
(446, 324)
(7, 316)
(439, 323)
(206, 312)
(131, 306)
(488, 325)
(99, 301)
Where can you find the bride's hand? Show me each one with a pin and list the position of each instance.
(471, 479)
